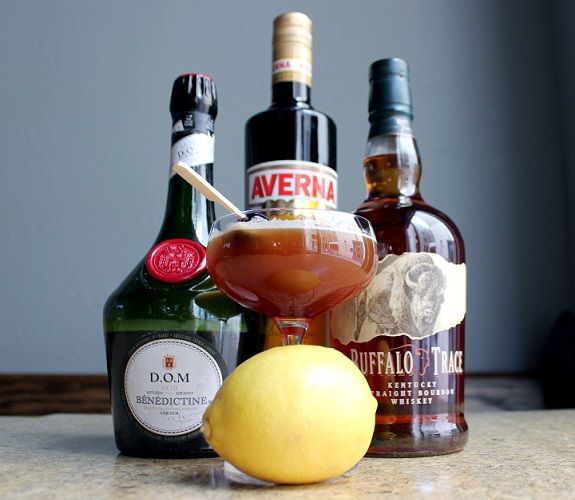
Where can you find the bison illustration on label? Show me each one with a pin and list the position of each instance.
(409, 297)
(413, 294)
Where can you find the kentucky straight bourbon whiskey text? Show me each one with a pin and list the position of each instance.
(406, 331)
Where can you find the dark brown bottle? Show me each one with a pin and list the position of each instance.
(290, 150)
(406, 331)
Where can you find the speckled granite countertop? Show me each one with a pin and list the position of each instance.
(510, 455)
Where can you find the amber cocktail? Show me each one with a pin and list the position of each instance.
(292, 264)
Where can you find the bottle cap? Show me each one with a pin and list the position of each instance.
(292, 48)
(194, 92)
(389, 88)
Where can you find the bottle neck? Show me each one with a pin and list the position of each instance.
(188, 213)
(291, 93)
(392, 166)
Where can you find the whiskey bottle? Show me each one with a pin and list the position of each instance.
(171, 336)
(406, 331)
(290, 149)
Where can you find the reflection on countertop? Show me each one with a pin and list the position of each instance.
(502, 392)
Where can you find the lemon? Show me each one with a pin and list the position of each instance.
(294, 414)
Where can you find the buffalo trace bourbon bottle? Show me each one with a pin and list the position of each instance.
(406, 330)
(168, 329)
(290, 150)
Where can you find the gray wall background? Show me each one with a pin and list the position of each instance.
(85, 129)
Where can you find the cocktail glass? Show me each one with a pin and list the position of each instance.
(292, 264)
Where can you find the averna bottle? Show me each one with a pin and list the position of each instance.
(406, 331)
(168, 329)
(290, 149)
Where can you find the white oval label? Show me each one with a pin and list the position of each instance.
(169, 383)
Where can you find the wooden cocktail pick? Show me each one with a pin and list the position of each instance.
(209, 191)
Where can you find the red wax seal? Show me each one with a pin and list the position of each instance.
(176, 261)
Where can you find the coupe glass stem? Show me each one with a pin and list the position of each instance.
(292, 330)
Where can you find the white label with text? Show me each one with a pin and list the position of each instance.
(194, 149)
(168, 385)
(299, 184)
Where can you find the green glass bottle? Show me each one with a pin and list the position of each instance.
(171, 336)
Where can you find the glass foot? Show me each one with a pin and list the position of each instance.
(237, 476)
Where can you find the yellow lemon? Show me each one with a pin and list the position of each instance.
(294, 414)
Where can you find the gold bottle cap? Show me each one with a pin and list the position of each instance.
(292, 48)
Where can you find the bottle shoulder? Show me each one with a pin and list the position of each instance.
(288, 113)
(413, 226)
(291, 134)
(139, 294)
